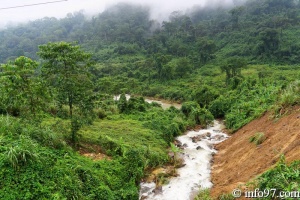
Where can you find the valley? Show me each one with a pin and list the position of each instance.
(93, 105)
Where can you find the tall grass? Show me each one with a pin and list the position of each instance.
(289, 97)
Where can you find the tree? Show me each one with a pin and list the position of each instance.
(235, 14)
(160, 61)
(183, 67)
(24, 91)
(122, 103)
(233, 68)
(205, 49)
(204, 95)
(270, 40)
(66, 68)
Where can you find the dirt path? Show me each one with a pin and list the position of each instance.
(239, 161)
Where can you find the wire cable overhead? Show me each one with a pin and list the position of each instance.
(28, 5)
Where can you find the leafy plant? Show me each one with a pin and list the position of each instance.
(21, 153)
(258, 138)
(283, 177)
(203, 195)
(289, 97)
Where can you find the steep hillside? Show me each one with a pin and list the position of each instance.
(238, 160)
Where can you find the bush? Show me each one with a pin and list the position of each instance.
(283, 177)
(203, 195)
(205, 95)
(196, 114)
(258, 138)
(21, 152)
(110, 146)
(188, 107)
(249, 101)
(101, 114)
(289, 97)
(220, 106)
(204, 117)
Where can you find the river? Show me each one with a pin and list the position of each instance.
(164, 104)
(197, 153)
(195, 175)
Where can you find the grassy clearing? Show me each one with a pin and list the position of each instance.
(118, 136)
(36, 163)
(128, 131)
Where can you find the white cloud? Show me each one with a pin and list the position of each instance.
(159, 8)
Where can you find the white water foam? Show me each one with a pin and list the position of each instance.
(195, 175)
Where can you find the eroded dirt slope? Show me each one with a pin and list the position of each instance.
(238, 160)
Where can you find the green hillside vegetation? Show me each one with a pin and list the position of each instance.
(233, 63)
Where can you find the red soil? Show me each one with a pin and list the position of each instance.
(238, 161)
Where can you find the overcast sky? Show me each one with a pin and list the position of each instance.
(159, 7)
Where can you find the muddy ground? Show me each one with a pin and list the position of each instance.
(238, 161)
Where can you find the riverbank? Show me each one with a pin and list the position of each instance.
(240, 161)
(165, 104)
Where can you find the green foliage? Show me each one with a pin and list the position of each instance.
(232, 69)
(203, 195)
(204, 116)
(226, 197)
(177, 60)
(258, 138)
(188, 107)
(204, 95)
(220, 106)
(135, 164)
(288, 97)
(23, 92)
(119, 135)
(182, 67)
(283, 177)
(21, 152)
(206, 49)
(262, 30)
(248, 101)
(66, 70)
(196, 114)
(33, 169)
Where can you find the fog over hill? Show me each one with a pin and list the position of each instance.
(13, 12)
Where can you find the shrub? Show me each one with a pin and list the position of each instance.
(258, 138)
(289, 97)
(205, 95)
(110, 146)
(21, 152)
(203, 195)
(220, 106)
(204, 117)
(47, 137)
(122, 103)
(283, 177)
(188, 107)
(101, 114)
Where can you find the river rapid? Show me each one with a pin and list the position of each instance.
(195, 175)
(197, 153)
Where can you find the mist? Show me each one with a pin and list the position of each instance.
(160, 10)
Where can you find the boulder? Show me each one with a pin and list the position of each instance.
(199, 148)
(177, 143)
(218, 137)
(208, 134)
(197, 138)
